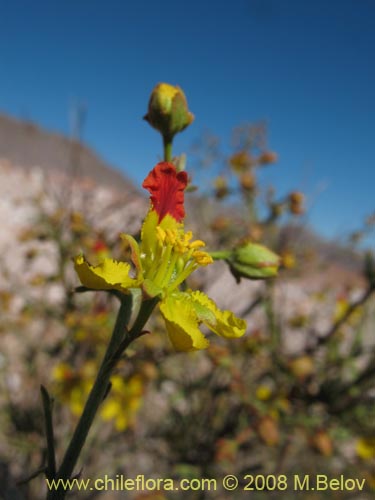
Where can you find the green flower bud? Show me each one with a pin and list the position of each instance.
(250, 260)
(255, 261)
(168, 110)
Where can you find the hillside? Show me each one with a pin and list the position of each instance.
(27, 145)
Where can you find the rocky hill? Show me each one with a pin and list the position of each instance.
(28, 148)
(27, 145)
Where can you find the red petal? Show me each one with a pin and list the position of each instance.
(166, 187)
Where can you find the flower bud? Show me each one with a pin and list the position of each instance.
(296, 197)
(255, 261)
(302, 367)
(267, 158)
(276, 210)
(256, 232)
(241, 161)
(221, 188)
(268, 431)
(322, 442)
(248, 181)
(250, 260)
(296, 203)
(168, 110)
(288, 259)
(220, 223)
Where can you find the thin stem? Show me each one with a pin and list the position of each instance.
(271, 317)
(144, 313)
(47, 407)
(341, 321)
(120, 340)
(220, 254)
(94, 400)
(249, 309)
(167, 144)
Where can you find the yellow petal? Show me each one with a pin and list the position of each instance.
(182, 323)
(223, 323)
(108, 275)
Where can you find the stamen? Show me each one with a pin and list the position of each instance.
(202, 258)
(171, 236)
(160, 234)
(156, 258)
(192, 265)
(170, 271)
(159, 277)
(197, 244)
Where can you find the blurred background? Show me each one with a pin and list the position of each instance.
(280, 152)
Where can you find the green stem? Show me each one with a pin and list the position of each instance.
(120, 340)
(47, 406)
(94, 400)
(271, 317)
(137, 329)
(167, 144)
(144, 313)
(250, 202)
(344, 318)
(220, 254)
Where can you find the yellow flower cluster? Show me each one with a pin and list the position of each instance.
(121, 405)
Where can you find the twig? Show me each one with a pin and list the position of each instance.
(50, 470)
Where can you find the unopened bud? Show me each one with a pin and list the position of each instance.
(296, 203)
(250, 260)
(241, 161)
(256, 232)
(302, 367)
(322, 442)
(255, 261)
(296, 197)
(267, 158)
(221, 188)
(288, 259)
(277, 209)
(168, 110)
(248, 181)
(268, 431)
(220, 223)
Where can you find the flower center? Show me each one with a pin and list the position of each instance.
(175, 258)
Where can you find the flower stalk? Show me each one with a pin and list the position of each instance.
(167, 144)
(120, 340)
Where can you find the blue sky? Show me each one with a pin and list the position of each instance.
(305, 67)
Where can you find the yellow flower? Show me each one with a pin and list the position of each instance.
(164, 258)
(263, 392)
(365, 448)
(123, 402)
